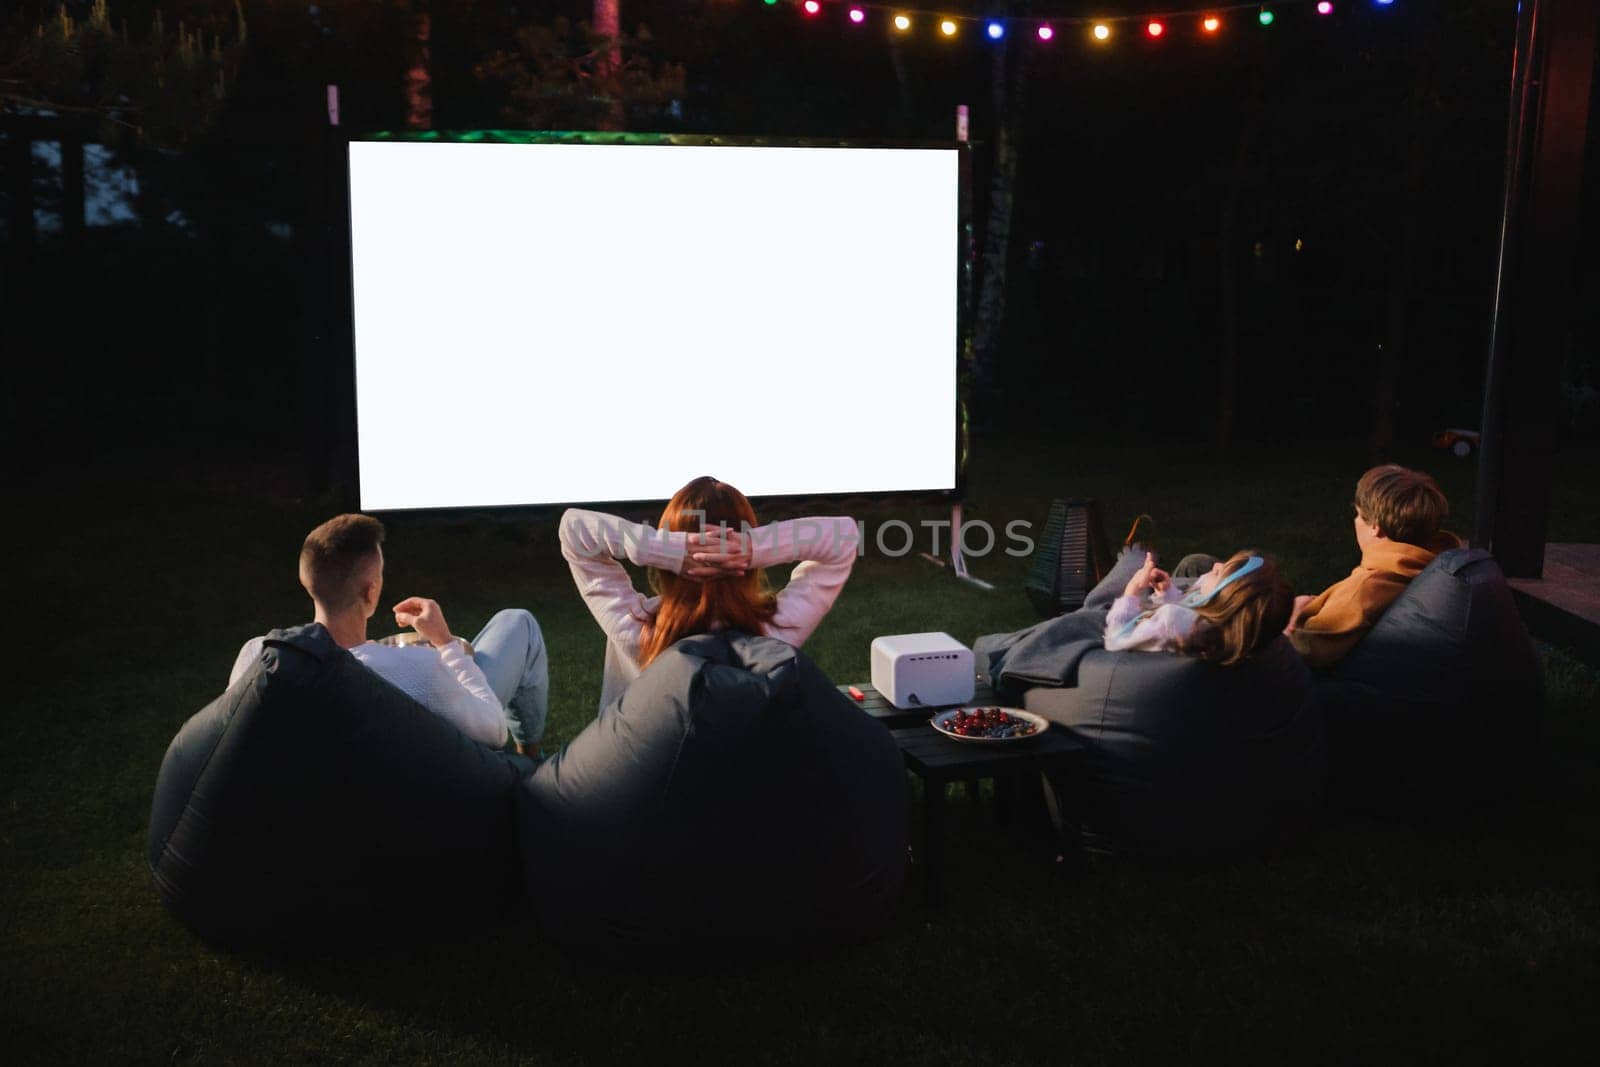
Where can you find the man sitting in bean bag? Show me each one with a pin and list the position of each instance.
(496, 693)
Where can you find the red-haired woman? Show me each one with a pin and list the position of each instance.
(707, 566)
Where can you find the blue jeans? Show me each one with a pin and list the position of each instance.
(510, 652)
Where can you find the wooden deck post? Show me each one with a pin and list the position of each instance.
(19, 171)
(1535, 296)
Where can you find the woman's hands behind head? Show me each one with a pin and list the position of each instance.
(717, 552)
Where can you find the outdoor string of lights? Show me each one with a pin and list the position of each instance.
(1209, 21)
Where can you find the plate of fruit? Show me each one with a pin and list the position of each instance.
(989, 724)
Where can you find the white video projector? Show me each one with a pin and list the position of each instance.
(922, 670)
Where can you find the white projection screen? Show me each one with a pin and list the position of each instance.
(542, 324)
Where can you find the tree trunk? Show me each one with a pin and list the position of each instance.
(1402, 261)
(1228, 263)
(907, 108)
(1228, 267)
(419, 72)
(19, 166)
(1008, 95)
(72, 197)
(607, 25)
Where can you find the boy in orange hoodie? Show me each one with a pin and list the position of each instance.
(1398, 517)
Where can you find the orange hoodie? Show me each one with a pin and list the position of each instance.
(1334, 621)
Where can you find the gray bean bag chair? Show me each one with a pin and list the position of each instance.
(730, 798)
(1188, 761)
(1438, 707)
(313, 801)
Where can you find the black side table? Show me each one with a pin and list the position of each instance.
(877, 705)
(939, 760)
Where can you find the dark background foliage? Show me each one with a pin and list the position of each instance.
(1363, 155)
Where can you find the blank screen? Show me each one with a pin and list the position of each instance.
(546, 324)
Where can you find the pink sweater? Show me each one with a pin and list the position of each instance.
(593, 542)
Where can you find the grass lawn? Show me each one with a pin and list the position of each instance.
(1376, 942)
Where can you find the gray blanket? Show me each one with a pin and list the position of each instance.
(1044, 654)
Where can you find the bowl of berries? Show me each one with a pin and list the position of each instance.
(989, 724)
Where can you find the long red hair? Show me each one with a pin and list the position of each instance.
(689, 606)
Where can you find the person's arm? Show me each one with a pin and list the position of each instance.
(1166, 594)
(465, 699)
(592, 542)
(1323, 648)
(459, 693)
(248, 654)
(1123, 610)
(1335, 622)
(1163, 631)
(1126, 608)
(1301, 604)
(825, 548)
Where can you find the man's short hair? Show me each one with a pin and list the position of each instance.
(334, 558)
(1405, 505)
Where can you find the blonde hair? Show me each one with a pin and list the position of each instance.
(1244, 616)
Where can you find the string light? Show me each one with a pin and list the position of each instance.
(1100, 30)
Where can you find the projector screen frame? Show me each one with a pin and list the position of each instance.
(348, 463)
